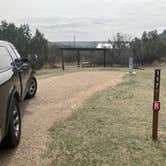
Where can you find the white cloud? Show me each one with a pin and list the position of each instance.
(88, 19)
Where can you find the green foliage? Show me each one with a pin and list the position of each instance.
(119, 43)
(149, 48)
(121, 50)
(39, 46)
(54, 55)
(25, 43)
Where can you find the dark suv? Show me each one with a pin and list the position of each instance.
(17, 82)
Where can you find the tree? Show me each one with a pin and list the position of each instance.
(119, 43)
(121, 48)
(39, 46)
(136, 46)
(150, 47)
(53, 55)
(150, 42)
(8, 32)
(23, 40)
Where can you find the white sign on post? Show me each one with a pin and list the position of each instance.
(131, 65)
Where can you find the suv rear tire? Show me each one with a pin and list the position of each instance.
(12, 138)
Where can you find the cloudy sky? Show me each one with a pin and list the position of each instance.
(86, 19)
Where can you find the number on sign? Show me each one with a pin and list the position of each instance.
(156, 106)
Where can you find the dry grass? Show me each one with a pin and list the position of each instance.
(113, 128)
(55, 100)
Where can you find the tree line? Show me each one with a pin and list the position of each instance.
(149, 47)
(26, 43)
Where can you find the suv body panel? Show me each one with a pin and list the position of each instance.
(13, 80)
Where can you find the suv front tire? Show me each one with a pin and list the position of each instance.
(32, 88)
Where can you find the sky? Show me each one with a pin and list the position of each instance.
(60, 20)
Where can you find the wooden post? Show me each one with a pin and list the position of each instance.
(155, 125)
(63, 65)
(156, 104)
(78, 57)
(104, 58)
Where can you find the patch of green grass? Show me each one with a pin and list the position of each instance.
(113, 127)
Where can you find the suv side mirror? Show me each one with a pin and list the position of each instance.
(18, 62)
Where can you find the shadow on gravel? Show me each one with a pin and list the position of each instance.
(6, 155)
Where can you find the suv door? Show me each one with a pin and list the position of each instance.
(7, 77)
(24, 71)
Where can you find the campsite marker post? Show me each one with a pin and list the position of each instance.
(104, 58)
(131, 65)
(62, 60)
(156, 104)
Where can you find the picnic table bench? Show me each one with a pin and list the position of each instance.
(86, 64)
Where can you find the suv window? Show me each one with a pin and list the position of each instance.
(16, 52)
(5, 58)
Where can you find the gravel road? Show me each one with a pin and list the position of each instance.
(55, 100)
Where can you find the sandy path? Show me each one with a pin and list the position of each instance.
(54, 101)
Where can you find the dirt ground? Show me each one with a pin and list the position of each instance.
(55, 100)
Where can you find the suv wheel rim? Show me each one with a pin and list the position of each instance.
(16, 122)
(32, 87)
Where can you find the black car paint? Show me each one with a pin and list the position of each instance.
(14, 82)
